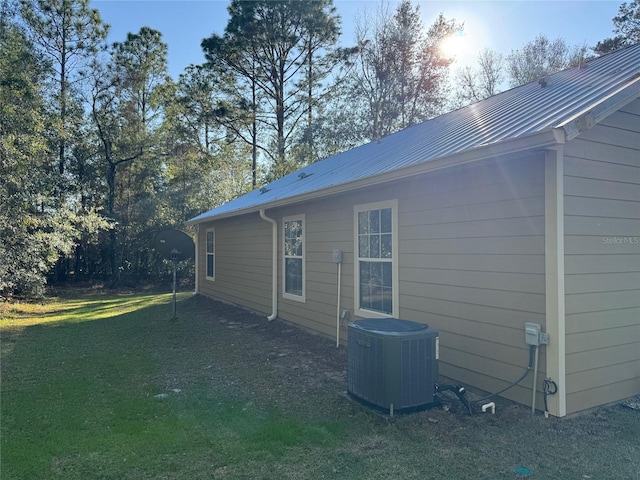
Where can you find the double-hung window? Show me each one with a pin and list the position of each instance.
(211, 254)
(376, 268)
(293, 258)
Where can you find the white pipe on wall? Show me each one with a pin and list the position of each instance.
(197, 272)
(338, 312)
(535, 381)
(274, 264)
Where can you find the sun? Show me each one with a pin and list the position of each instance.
(455, 45)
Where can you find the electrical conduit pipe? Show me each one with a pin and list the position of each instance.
(274, 264)
(338, 312)
(535, 381)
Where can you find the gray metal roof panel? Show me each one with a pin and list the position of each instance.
(509, 115)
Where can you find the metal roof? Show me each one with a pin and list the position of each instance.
(572, 100)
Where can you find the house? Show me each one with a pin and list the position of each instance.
(524, 207)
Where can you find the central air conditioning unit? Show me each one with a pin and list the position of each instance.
(392, 363)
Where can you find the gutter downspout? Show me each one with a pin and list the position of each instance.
(274, 265)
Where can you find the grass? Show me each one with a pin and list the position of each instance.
(109, 387)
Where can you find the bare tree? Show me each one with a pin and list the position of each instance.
(475, 83)
(541, 57)
(400, 77)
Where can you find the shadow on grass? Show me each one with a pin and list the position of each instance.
(112, 388)
(115, 388)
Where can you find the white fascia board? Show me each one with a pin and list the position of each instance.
(594, 114)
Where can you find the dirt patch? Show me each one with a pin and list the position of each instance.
(283, 362)
(283, 365)
(276, 362)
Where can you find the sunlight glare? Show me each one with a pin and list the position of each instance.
(455, 45)
(465, 43)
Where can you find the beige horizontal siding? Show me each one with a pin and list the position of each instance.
(602, 261)
(328, 226)
(577, 303)
(603, 356)
(489, 263)
(472, 266)
(594, 321)
(602, 207)
(578, 247)
(582, 343)
(601, 152)
(313, 315)
(485, 340)
(587, 187)
(472, 261)
(614, 228)
(603, 394)
(471, 242)
(504, 209)
(464, 372)
(441, 311)
(602, 170)
(492, 368)
(502, 282)
(506, 245)
(480, 295)
(593, 264)
(513, 227)
(601, 282)
(605, 376)
(242, 262)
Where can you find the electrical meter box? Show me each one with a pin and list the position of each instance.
(532, 333)
(337, 256)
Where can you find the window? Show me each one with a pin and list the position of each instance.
(211, 254)
(293, 257)
(376, 266)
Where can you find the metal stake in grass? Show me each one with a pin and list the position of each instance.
(174, 259)
(174, 245)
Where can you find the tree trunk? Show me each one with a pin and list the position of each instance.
(254, 133)
(113, 239)
(279, 81)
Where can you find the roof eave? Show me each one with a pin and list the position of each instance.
(539, 140)
(597, 112)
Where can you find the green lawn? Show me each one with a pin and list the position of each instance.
(110, 387)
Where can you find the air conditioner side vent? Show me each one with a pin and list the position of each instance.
(392, 363)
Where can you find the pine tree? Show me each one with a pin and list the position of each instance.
(279, 52)
(626, 29)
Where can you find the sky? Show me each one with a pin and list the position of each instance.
(501, 25)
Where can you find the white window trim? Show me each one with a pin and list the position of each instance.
(361, 312)
(289, 296)
(206, 254)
